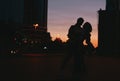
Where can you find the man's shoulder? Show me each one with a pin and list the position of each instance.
(72, 26)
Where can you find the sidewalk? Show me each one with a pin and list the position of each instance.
(103, 68)
(99, 69)
(46, 68)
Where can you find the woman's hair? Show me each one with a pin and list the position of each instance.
(88, 27)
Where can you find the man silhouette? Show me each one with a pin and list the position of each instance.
(75, 48)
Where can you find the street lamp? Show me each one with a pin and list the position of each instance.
(35, 26)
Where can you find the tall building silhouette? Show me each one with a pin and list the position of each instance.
(35, 12)
(24, 21)
(35, 20)
(11, 18)
(109, 28)
(11, 11)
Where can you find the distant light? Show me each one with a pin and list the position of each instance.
(32, 42)
(25, 41)
(58, 35)
(45, 48)
(35, 26)
(15, 39)
(12, 52)
(36, 41)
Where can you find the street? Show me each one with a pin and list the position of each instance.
(46, 68)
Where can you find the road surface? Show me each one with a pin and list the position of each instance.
(46, 68)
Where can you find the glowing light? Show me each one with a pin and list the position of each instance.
(35, 26)
(32, 42)
(12, 51)
(25, 41)
(58, 36)
(45, 48)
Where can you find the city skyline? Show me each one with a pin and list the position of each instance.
(61, 15)
(64, 13)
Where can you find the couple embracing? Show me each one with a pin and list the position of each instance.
(77, 34)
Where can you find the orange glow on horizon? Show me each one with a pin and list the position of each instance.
(64, 39)
(95, 43)
(60, 29)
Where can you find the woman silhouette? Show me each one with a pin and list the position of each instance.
(87, 30)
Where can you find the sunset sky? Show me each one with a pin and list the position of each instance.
(64, 13)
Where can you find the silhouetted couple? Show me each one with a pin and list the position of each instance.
(76, 49)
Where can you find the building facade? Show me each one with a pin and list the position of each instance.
(35, 12)
(109, 28)
(11, 11)
(26, 20)
(35, 20)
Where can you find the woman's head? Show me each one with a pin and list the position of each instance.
(88, 27)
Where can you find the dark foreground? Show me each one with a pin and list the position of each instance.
(46, 68)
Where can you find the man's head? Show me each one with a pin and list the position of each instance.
(80, 21)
